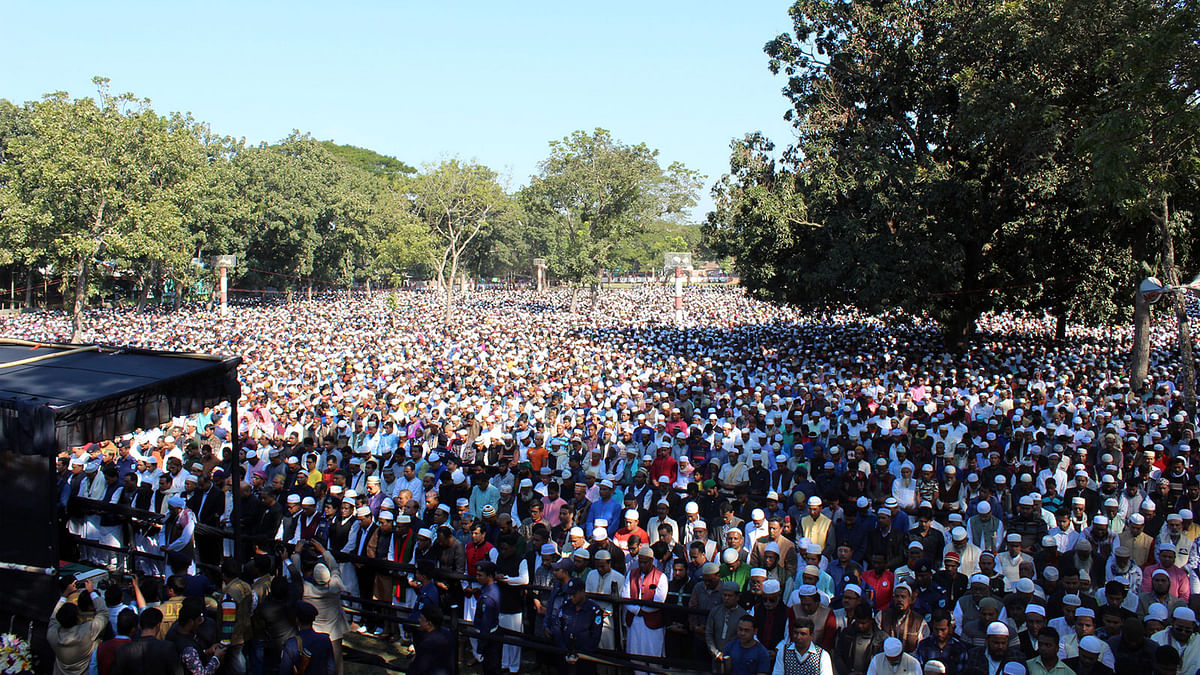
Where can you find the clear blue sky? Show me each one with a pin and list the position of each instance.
(423, 81)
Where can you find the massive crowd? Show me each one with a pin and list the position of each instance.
(763, 490)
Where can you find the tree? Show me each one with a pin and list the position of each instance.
(87, 183)
(455, 200)
(935, 166)
(1141, 138)
(384, 166)
(593, 192)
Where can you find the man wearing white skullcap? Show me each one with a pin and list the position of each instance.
(985, 529)
(990, 657)
(893, 660)
(604, 580)
(1181, 635)
(646, 624)
(815, 524)
(1141, 545)
(1073, 641)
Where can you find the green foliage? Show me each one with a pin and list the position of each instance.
(940, 162)
(370, 161)
(594, 193)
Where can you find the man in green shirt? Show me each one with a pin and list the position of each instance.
(1047, 661)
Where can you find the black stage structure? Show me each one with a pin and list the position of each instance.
(54, 397)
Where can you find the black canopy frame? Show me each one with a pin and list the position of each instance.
(54, 397)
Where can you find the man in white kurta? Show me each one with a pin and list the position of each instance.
(645, 624)
(604, 580)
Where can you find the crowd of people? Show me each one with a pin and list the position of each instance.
(761, 490)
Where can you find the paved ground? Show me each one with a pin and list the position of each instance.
(370, 656)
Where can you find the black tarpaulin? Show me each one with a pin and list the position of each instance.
(78, 395)
(75, 398)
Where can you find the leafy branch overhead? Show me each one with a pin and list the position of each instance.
(953, 158)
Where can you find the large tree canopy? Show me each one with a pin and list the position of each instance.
(594, 193)
(938, 163)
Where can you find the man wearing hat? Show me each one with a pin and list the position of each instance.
(605, 580)
(815, 524)
(901, 620)
(721, 625)
(984, 529)
(578, 627)
(308, 644)
(1181, 636)
(176, 536)
(991, 657)
(1140, 544)
(1173, 534)
(1011, 559)
(1180, 585)
(806, 602)
(893, 661)
(644, 623)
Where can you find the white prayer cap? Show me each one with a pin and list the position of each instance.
(1184, 614)
(1036, 610)
(321, 574)
(771, 586)
(362, 511)
(1091, 644)
(729, 555)
(997, 628)
(892, 647)
(1156, 612)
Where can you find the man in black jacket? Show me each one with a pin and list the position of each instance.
(146, 654)
(435, 649)
(996, 651)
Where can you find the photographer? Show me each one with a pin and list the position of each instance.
(73, 638)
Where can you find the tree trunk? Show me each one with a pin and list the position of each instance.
(450, 294)
(80, 300)
(179, 290)
(1140, 354)
(158, 286)
(1188, 363)
(1060, 327)
(29, 288)
(958, 329)
(574, 299)
(147, 283)
(595, 299)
